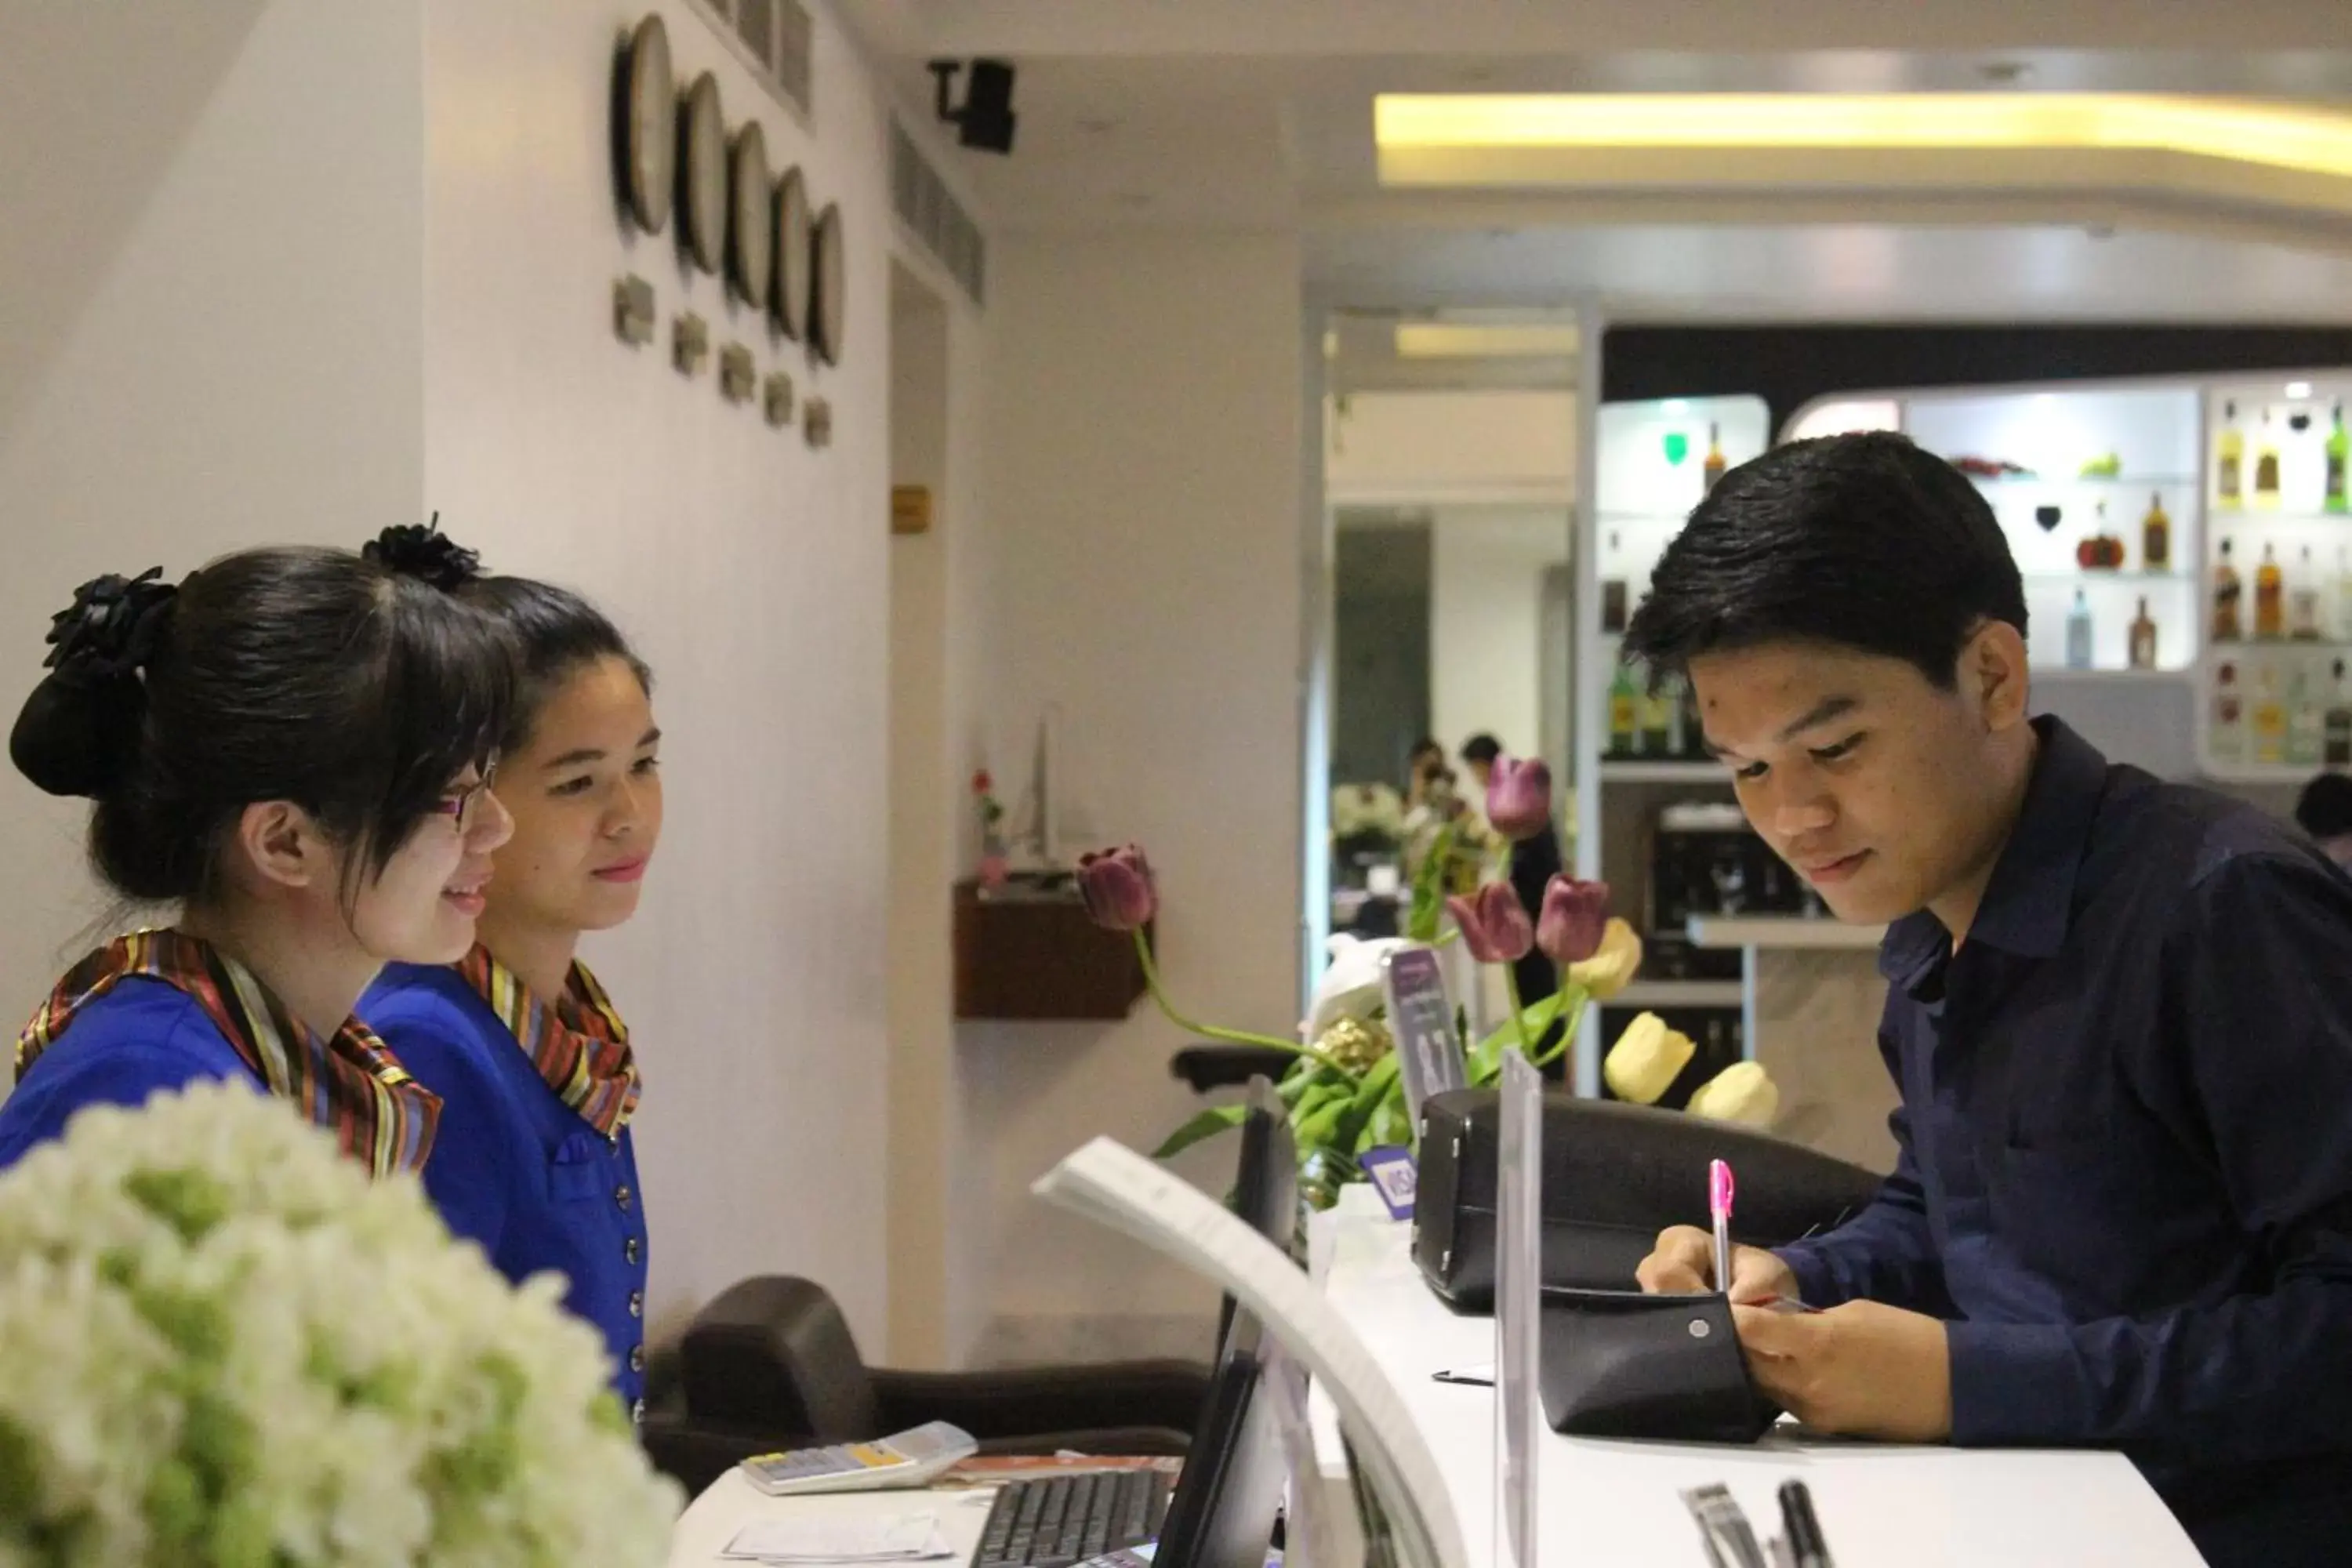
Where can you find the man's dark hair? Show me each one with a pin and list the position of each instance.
(1481, 748)
(2325, 808)
(1861, 541)
(1427, 746)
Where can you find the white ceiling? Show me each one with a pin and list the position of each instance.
(1254, 114)
(1845, 271)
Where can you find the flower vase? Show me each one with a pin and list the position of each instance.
(995, 864)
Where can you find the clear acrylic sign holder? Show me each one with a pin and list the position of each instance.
(1430, 1057)
(1518, 1306)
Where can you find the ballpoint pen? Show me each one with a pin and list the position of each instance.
(1729, 1539)
(1718, 1205)
(1800, 1529)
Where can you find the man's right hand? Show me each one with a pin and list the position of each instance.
(1683, 1264)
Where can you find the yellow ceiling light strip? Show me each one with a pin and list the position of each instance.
(1454, 339)
(2286, 137)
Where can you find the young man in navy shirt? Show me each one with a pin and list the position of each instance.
(2122, 1211)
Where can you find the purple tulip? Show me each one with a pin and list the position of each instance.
(1494, 925)
(1519, 797)
(1117, 887)
(1574, 916)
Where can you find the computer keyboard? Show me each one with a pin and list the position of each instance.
(1056, 1521)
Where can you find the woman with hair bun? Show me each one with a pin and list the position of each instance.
(292, 751)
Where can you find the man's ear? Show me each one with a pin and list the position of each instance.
(1992, 671)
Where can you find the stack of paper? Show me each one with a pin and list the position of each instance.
(909, 1538)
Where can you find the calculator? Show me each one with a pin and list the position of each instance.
(912, 1459)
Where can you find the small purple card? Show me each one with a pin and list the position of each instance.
(1394, 1176)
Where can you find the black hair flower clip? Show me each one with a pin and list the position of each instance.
(425, 553)
(112, 627)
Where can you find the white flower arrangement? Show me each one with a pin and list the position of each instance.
(221, 1345)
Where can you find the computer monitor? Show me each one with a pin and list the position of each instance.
(1266, 1186)
(1229, 1497)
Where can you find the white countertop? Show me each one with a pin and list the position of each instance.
(1614, 1504)
(1607, 1502)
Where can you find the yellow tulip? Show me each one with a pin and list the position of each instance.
(1646, 1059)
(1743, 1092)
(1612, 966)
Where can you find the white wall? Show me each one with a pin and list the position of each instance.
(921, 836)
(1416, 447)
(1145, 456)
(750, 570)
(938, 673)
(1485, 620)
(942, 1302)
(210, 289)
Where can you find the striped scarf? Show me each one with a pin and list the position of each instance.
(580, 1045)
(349, 1084)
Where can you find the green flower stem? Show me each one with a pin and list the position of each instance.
(1210, 1031)
(1518, 1013)
(1573, 999)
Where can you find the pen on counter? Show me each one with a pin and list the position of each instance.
(1801, 1529)
(1718, 1205)
(1729, 1539)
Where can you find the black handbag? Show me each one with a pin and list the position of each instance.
(1614, 1176)
(1618, 1364)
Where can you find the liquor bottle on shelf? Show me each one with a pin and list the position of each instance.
(2228, 620)
(1613, 609)
(1624, 712)
(2336, 729)
(2156, 537)
(2266, 466)
(1712, 470)
(2092, 552)
(2270, 598)
(2230, 461)
(2339, 449)
(1676, 693)
(2303, 719)
(2143, 639)
(2078, 633)
(1657, 723)
(2227, 733)
(2270, 717)
(2303, 601)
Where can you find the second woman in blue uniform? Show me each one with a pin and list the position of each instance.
(534, 1159)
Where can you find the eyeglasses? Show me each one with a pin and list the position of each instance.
(459, 804)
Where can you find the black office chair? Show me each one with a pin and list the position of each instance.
(1205, 1068)
(771, 1364)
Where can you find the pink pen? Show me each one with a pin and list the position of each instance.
(1718, 1205)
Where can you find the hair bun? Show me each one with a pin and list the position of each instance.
(78, 733)
(423, 551)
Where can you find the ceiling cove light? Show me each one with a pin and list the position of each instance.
(1456, 339)
(1961, 139)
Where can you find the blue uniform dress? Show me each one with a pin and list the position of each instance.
(138, 1040)
(157, 1010)
(539, 1182)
